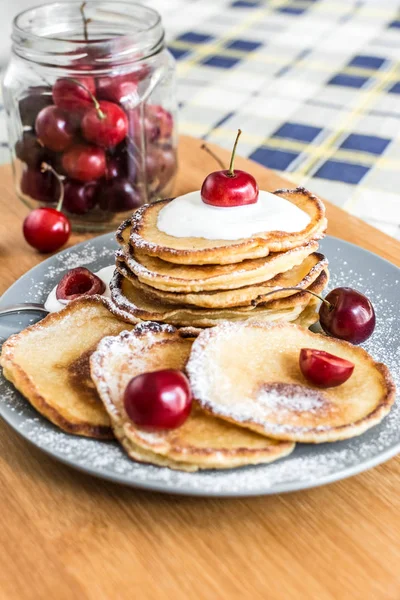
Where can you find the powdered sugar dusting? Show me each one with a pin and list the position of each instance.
(274, 402)
(291, 398)
(89, 254)
(307, 466)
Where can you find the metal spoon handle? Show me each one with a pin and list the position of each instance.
(13, 308)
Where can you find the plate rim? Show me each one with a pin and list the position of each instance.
(290, 487)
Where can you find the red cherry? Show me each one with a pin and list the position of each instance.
(30, 151)
(79, 282)
(161, 119)
(119, 196)
(161, 165)
(137, 124)
(37, 97)
(158, 400)
(230, 187)
(39, 186)
(348, 315)
(122, 162)
(74, 94)
(79, 198)
(54, 128)
(115, 168)
(167, 166)
(222, 189)
(105, 125)
(46, 229)
(151, 162)
(324, 369)
(84, 162)
(119, 88)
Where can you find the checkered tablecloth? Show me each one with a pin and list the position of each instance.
(313, 84)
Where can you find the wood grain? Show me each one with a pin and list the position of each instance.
(65, 535)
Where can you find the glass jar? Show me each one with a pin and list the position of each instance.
(90, 92)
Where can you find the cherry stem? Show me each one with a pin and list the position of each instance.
(215, 157)
(100, 113)
(85, 21)
(297, 289)
(231, 172)
(46, 167)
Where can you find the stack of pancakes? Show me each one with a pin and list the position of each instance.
(200, 282)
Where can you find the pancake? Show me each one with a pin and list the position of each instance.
(129, 302)
(264, 390)
(203, 441)
(49, 364)
(301, 276)
(145, 236)
(171, 277)
(309, 316)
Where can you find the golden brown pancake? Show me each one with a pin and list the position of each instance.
(49, 364)
(129, 302)
(249, 374)
(146, 237)
(171, 277)
(301, 277)
(203, 441)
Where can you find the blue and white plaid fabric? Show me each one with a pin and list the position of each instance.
(313, 84)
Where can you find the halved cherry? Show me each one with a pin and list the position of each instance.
(324, 369)
(79, 282)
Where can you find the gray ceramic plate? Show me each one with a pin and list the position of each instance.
(308, 466)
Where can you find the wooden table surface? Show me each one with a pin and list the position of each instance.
(67, 535)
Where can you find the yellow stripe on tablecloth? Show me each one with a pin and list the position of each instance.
(209, 49)
(329, 145)
(317, 151)
(214, 47)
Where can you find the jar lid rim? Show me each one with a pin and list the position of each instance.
(125, 3)
(121, 15)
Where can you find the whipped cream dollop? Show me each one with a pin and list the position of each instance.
(54, 305)
(189, 216)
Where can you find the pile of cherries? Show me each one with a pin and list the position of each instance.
(92, 132)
